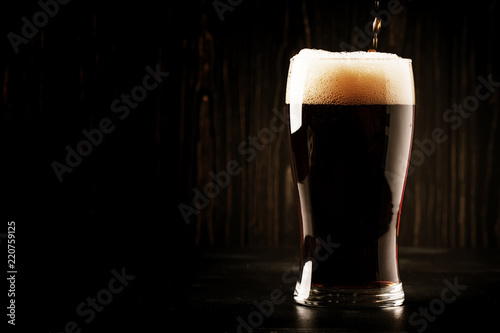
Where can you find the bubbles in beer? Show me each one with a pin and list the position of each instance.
(349, 78)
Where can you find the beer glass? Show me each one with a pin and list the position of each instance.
(351, 117)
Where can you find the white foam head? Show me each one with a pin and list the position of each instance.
(349, 78)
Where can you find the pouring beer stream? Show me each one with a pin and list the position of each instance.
(377, 24)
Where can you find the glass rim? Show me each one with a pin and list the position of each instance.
(394, 59)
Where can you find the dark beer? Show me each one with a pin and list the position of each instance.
(339, 156)
(351, 127)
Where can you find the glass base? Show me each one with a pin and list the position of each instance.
(350, 298)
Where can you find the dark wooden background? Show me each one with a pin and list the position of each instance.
(452, 195)
(225, 79)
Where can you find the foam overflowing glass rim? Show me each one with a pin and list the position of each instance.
(349, 78)
(317, 54)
